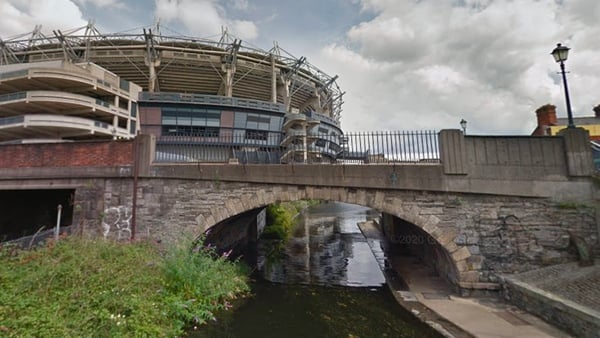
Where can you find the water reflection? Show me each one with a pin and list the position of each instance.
(326, 248)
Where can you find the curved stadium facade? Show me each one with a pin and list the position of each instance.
(209, 100)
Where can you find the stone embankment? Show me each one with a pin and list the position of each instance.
(566, 295)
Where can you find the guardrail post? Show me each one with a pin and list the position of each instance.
(578, 151)
(145, 151)
(453, 152)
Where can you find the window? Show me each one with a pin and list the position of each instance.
(191, 122)
(256, 135)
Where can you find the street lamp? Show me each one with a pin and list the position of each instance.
(463, 125)
(560, 54)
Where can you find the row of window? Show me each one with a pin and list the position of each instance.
(212, 118)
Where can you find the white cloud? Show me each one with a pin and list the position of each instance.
(203, 18)
(427, 64)
(19, 17)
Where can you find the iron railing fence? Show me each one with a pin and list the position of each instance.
(275, 148)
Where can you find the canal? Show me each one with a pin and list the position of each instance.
(326, 281)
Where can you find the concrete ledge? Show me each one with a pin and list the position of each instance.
(479, 286)
(577, 319)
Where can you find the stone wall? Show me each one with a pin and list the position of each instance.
(571, 316)
(484, 236)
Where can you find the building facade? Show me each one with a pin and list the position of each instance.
(204, 100)
(55, 101)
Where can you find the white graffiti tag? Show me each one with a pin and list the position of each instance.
(118, 219)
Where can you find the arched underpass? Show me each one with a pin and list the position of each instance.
(404, 243)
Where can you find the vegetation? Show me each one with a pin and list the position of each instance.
(100, 288)
(280, 218)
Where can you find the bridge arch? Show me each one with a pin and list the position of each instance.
(449, 261)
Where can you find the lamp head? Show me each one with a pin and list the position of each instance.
(560, 53)
(463, 124)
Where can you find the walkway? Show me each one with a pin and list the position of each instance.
(478, 316)
(428, 297)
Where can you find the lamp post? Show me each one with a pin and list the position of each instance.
(463, 125)
(560, 54)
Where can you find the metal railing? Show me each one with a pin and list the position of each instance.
(389, 147)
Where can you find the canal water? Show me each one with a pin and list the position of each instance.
(324, 282)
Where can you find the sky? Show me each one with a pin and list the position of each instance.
(404, 64)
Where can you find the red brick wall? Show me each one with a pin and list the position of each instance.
(76, 154)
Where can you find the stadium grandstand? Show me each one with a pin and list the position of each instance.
(203, 99)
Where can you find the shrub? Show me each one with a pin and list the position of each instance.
(101, 288)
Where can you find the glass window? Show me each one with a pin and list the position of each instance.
(198, 121)
(212, 122)
(239, 120)
(169, 120)
(275, 124)
(184, 121)
(134, 109)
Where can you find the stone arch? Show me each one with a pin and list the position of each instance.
(461, 275)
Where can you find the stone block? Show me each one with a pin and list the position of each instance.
(451, 247)
(475, 262)
(461, 254)
(430, 223)
(446, 236)
(474, 249)
(462, 266)
(378, 202)
(469, 276)
(461, 239)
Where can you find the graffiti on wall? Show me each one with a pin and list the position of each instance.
(117, 220)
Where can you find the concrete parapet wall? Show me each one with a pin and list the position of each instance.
(578, 154)
(501, 157)
(452, 152)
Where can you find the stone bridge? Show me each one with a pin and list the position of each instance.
(493, 205)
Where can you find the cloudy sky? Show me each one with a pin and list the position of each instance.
(404, 64)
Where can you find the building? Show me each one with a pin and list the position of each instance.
(204, 100)
(57, 100)
(548, 124)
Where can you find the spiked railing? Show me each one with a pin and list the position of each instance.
(387, 147)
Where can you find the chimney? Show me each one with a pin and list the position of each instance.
(597, 111)
(546, 115)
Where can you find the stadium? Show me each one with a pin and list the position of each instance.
(204, 100)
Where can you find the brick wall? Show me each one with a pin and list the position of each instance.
(76, 154)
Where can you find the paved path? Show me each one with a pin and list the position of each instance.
(431, 299)
(480, 317)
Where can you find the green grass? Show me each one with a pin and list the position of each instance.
(99, 288)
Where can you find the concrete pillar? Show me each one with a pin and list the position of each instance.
(273, 80)
(453, 152)
(153, 78)
(145, 150)
(578, 151)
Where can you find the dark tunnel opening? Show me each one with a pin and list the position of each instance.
(25, 212)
